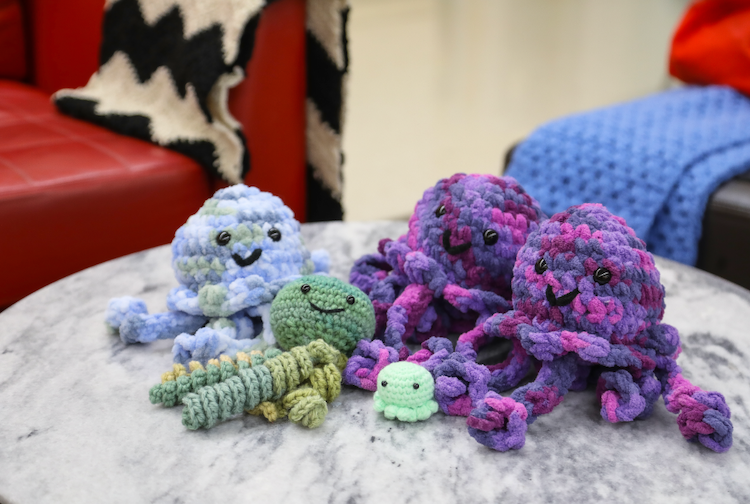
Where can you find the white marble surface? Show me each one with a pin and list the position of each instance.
(76, 425)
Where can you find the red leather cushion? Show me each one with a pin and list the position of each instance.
(12, 43)
(73, 194)
(712, 44)
(270, 103)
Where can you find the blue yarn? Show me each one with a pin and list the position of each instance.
(144, 328)
(119, 308)
(653, 161)
(231, 259)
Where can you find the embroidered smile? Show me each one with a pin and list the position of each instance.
(247, 261)
(321, 310)
(563, 300)
(457, 249)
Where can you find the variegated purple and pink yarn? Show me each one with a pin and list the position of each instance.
(587, 297)
(449, 273)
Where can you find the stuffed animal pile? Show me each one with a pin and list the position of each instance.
(577, 296)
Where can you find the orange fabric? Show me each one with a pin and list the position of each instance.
(12, 43)
(712, 44)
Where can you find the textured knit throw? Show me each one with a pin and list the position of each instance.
(166, 69)
(653, 161)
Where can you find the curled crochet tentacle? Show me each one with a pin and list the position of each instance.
(406, 313)
(460, 383)
(178, 383)
(625, 399)
(496, 422)
(508, 373)
(307, 404)
(119, 308)
(322, 353)
(291, 383)
(701, 416)
(366, 362)
(499, 422)
(369, 270)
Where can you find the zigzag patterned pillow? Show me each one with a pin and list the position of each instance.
(165, 70)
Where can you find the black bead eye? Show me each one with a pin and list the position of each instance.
(274, 234)
(384, 383)
(416, 386)
(223, 238)
(305, 288)
(350, 299)
(602, 276)
(440, 211)
(490, 237)
(540, 266)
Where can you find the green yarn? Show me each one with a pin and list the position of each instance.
(296, 321)
(169, 393)
(406, 392)
(297, 384)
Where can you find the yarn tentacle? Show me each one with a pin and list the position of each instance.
(297, 384)
(499, 422)
(701, 416)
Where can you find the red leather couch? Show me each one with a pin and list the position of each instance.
(73, 194)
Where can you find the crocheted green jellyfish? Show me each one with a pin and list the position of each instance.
(322, 307)
(406, 392)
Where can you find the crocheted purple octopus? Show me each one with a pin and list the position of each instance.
(449, 273)
(587, 297)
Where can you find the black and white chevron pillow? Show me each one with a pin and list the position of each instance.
(327, 68)
(166, 67)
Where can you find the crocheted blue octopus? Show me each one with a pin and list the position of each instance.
(230, 258)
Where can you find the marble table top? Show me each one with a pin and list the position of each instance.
(76, 425)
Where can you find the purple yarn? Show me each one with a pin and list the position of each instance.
(368, 358)
(499, 422)
(460, 383)
(453, 268)
(585, 293)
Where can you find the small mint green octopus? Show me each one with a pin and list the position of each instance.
(406, 391)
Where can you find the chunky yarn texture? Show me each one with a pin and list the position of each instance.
(653, 161)
(460, 383)
(297, 384)
(231, 259)
(177, 383)
(322, 307)
(405, 392)
(587, 300)
(451, 270)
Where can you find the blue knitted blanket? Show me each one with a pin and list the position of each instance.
(653, 161)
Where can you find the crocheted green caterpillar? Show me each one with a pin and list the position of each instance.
(297, 383)
(322, 307)
(177, 383)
